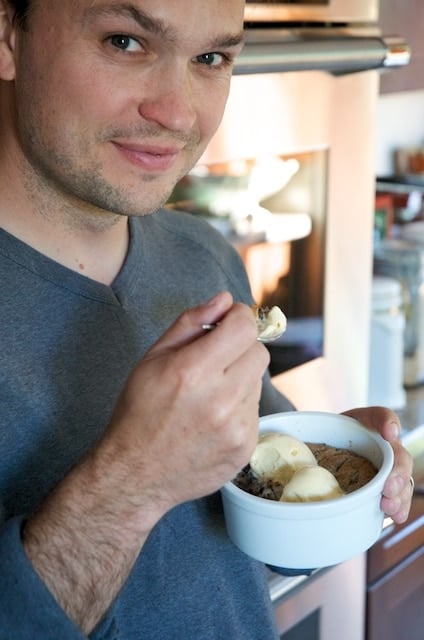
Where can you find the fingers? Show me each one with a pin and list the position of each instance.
(398, 490)
(189, 324)
(235, 336)
(380, 419)
(217, 349)
(195, 394)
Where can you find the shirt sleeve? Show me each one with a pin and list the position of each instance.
(28, 611)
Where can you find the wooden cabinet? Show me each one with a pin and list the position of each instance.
(395, 577)
(404, 18)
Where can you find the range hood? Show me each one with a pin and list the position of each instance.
(336, 51)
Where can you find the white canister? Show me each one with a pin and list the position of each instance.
(386, 344)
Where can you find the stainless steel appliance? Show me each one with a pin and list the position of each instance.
(333, 48)
(339, 36)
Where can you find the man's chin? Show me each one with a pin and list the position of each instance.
(134, 204)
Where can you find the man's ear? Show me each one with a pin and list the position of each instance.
(7, 42)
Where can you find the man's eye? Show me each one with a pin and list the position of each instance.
(212, 59)
(125, 43)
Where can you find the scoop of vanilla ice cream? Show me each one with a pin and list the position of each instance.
(272, 324)
(311, 484)
(278, 455)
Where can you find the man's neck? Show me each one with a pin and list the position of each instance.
(97, 251)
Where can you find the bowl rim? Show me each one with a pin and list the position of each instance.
(276, 509)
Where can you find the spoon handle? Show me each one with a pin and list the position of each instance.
(213, 325)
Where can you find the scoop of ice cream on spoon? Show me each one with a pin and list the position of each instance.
(271, 323)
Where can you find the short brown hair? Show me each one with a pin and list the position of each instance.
(21, 8)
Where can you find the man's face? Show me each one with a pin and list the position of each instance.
(116, 101)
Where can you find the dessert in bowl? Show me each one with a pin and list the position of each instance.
(317, 529)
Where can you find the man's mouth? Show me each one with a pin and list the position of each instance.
(153, 158)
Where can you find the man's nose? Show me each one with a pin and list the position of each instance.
(171, 103)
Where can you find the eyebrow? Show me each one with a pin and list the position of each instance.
(156, 26)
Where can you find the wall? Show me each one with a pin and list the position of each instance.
(400, 122)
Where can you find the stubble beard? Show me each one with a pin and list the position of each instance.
(81, 196)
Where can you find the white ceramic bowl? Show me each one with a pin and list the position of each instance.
(315, 534)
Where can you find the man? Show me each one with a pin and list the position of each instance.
(117, 418)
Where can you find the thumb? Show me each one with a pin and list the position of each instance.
(188, 326)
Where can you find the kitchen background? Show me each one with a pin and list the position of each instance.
(345, 143)
(394, 566)
(292, 178)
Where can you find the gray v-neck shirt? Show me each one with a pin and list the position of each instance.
(67, 345)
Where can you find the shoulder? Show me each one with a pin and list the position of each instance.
(177, 233)
(193, 228)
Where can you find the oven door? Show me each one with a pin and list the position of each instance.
(310, 11)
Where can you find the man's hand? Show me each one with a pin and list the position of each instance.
(397, 491)
(187, 418)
